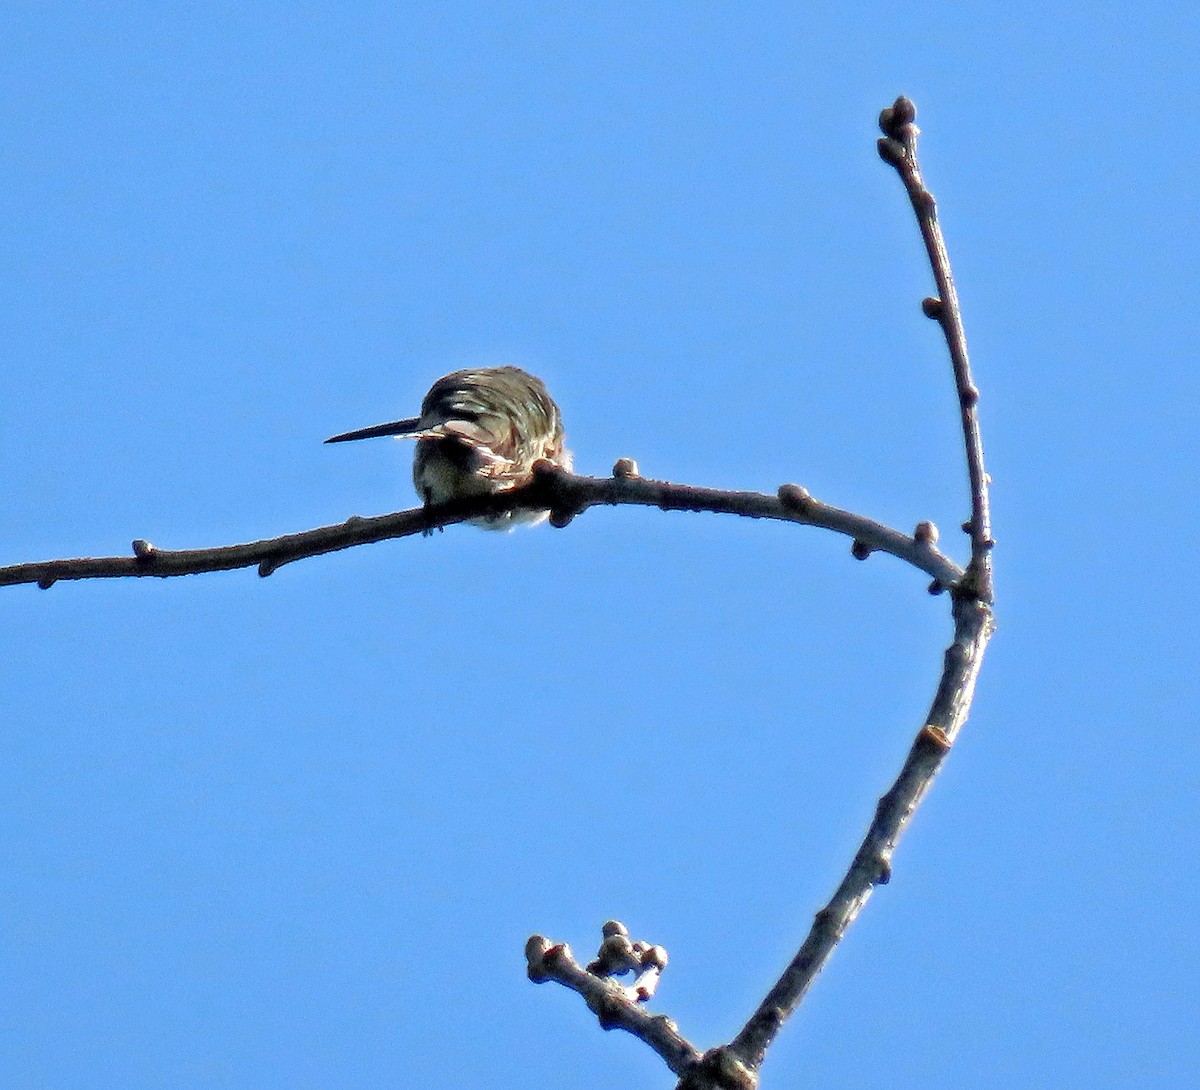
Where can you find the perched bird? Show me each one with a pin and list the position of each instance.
(480, 432)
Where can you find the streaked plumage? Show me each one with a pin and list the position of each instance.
(480, 432)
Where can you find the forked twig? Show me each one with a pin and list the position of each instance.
(614, 1005)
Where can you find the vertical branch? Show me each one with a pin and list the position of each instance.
(872, 863)
(973, 626)
(898, 147)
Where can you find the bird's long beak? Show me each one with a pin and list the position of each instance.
(396, 427)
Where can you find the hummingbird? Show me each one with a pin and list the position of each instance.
(480, 432)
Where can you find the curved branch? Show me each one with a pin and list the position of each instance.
(973, 627)
(564, 494)
(871, 865)
(898, 147)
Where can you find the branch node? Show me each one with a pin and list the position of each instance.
(546, 470)
(267, 566)
(46, 582)
(935, 736)
(142, 549)
(626, 469)
(926, 533)
(935, 588)
(885, 872)
(969, 396)
(795, 498)
(932, 307)
(860, 550)
(607, 1009)
(560, 518)
(719, 1069)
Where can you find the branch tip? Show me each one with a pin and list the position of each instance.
(607, 1009)
(893, 118)
(906, 110)
(535, 958)
(536, 946)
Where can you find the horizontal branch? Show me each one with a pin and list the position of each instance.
(564, 494)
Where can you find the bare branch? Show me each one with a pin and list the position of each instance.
(872, 863)
(973, 626)
(898, 147)
(565, 494)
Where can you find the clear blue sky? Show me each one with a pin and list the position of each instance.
(292, 833)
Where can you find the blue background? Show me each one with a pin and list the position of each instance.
(293, 833)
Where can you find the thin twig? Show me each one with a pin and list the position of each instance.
(615, 1006)
(898, 147)
(565, 494)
